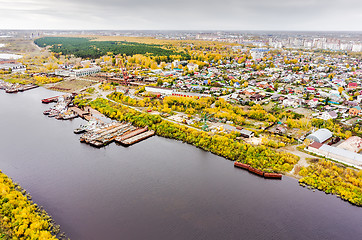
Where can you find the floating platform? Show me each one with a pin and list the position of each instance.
(27, 87)
(131, 134)
(138, 138)
(79, 111)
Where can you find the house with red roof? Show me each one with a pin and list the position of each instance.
(352, 85)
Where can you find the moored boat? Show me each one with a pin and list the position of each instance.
(273, 175)
(256, 171)
(241, 165)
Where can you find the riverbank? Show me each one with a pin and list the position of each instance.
(176, 190)
(20, 217)
(261, 157)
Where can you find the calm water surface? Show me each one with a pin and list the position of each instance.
(156, 189)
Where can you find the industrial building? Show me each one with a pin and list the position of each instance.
(77, 72)
(13, 67)
(335, 153)
(160, 90)
(320, 136)
(353, 144)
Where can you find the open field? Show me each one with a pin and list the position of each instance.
(72, 85)
(147, 40)
(16, 45)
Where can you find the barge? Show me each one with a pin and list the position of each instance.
(137, 138)
(257, 171)
(131, 134)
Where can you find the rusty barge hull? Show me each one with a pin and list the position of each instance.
(257, 171)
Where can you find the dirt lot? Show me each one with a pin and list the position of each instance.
(304, 111)
(72, 85)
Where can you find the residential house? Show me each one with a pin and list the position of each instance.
(313, 103)
(354, 111)
(328, 115)
(288, 102)
(352, 86)
(256, 97)
(192, 67)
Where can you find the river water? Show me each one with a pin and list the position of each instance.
(156, 189)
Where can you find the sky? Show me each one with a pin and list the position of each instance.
(287, 15)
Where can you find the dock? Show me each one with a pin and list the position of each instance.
(123, 133)
(131, 134)
(27, 87)
(79, 111)
(103, 136)
(138, 138)
(15, 87)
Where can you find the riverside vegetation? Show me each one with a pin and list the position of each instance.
(260, 157)
(324, 175)
(332, 178)
(20, 218)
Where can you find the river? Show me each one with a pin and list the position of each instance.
(156, 189)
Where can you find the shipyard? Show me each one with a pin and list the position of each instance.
(95, 132)
(194, 134)
(15, 87)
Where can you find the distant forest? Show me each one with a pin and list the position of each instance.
(84, 48)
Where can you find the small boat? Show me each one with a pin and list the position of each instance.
(46, 112)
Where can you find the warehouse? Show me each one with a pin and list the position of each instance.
(335, 153)
(320, 136)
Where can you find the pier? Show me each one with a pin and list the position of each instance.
(138, 138)
(15, 87)
(102, 134)
(79, 111)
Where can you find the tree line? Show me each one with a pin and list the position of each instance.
(20, 217)
(261, 157)
(85, 48)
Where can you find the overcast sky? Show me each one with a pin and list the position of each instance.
(328, 15)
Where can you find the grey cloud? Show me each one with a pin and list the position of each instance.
(187, 14)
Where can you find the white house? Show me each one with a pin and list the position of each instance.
(328, 115)
(192, 67)
(290, 103)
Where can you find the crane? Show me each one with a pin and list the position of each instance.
(204, 118)
(125, 75)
